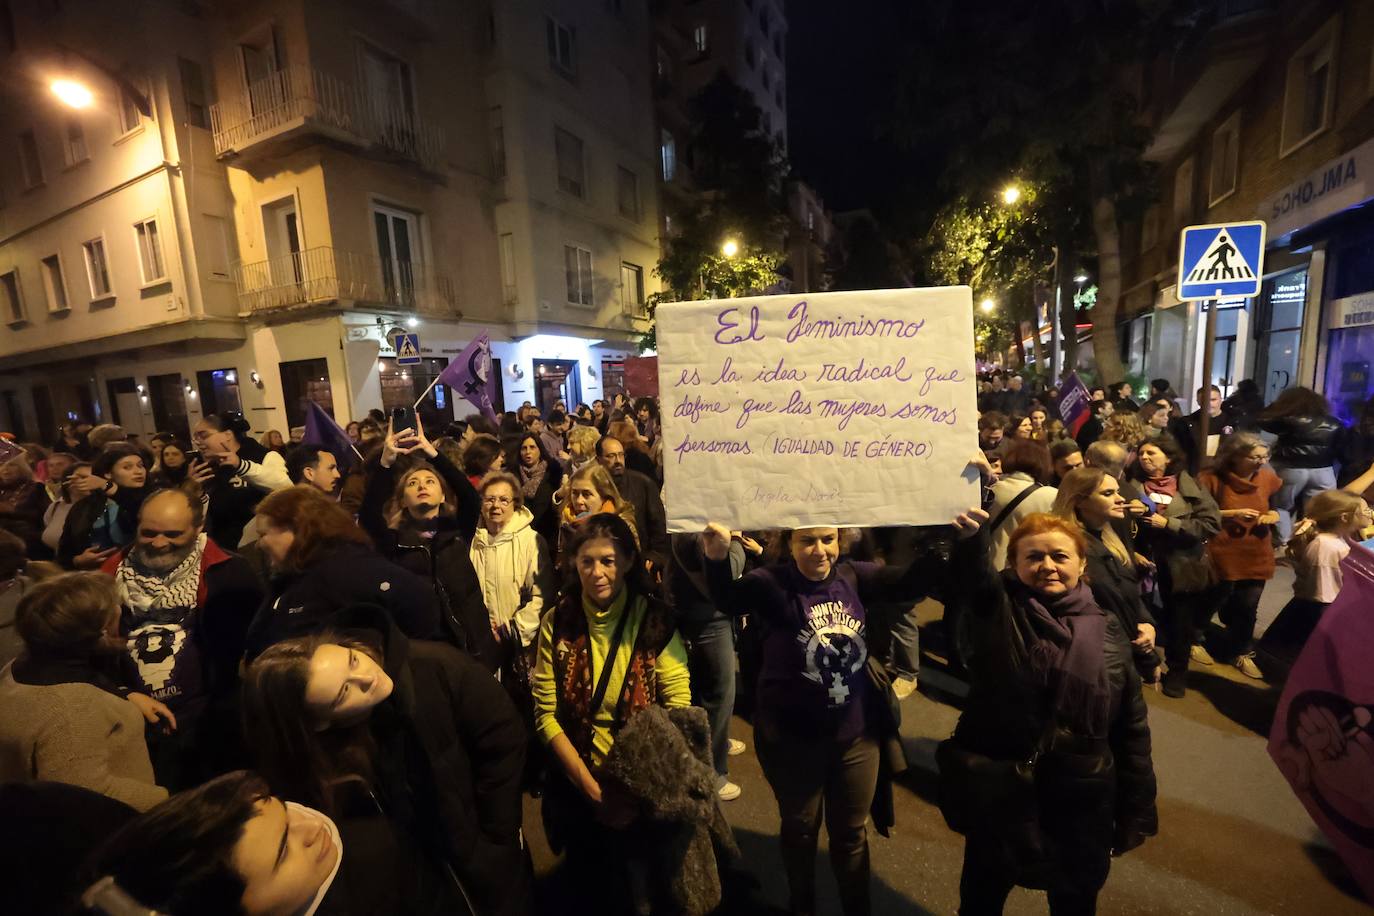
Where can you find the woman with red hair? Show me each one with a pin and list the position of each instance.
(1053, 748)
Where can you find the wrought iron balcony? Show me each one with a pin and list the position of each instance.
(324, 275)
(299, 101)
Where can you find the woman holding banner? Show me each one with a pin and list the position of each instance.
(821, 701)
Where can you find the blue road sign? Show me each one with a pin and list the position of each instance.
(1221, 260)
(407, 349)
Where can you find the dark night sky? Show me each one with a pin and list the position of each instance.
(840, 56)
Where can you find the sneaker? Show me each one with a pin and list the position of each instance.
(734, 748)
(1201, 655)
(1246, 666)
(729, 791)
(904, 687)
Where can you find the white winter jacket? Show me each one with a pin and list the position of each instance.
(508, 562)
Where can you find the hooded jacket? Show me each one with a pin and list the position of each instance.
(513, 570)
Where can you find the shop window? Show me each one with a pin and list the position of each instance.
(1278, 326)
(219, 391)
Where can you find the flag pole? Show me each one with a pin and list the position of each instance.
(416, 405)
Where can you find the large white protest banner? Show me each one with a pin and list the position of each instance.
(845, 409)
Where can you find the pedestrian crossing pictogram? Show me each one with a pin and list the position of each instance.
(407, 349)
(1221, 260)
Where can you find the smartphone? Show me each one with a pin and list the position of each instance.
(402, 418)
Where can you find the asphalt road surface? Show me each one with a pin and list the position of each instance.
(1233, 841)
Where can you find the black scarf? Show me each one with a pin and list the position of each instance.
(42, 670)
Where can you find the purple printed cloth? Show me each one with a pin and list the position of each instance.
(1075, 403)
(1323, 733)
(470, 375)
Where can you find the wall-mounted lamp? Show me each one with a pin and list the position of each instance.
(255, 378)
(190, 392)
(412, 322)
(517, 372)
(140, 388)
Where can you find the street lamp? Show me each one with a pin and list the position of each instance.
(1011, 194)
(1080, 278)
(987, 305)
(730, 248)
(71, 93)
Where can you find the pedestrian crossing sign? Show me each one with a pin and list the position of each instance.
(407, 349)
(1221, 260)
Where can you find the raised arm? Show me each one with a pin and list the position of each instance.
(381, 481)
(752, 593)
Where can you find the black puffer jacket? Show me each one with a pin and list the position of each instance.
(441, 557)
(1095, 795)
(308, 601)
(1305, 441)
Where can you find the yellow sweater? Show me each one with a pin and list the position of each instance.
(674, 683)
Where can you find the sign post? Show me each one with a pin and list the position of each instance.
(407, 349)
(1216, 261)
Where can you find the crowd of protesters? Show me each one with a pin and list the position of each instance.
(261, 675)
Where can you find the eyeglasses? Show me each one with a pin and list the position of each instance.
(497, 500)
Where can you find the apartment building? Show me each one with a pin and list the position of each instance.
(258, 196)
(1269, 115)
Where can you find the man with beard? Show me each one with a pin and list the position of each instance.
(642, 492)
(186, 605)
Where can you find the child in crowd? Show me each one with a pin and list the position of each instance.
(1337, 518)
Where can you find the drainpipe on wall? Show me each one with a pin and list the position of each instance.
(181, 216)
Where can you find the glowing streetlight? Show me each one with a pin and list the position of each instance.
(987, 305)
(1011, 194)
(72, 94)
(1081, 278)
(412, 322)
(730, 248)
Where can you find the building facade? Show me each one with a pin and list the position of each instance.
(1270, 116)
(258, 196)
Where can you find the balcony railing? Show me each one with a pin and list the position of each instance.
(323, 275)
(302, 97)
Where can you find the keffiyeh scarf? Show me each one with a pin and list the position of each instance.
(147, 596)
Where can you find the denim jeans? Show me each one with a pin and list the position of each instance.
(906, 644)
(1298, 485)
(711, 663)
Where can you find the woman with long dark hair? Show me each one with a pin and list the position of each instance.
(1051, 683)
(173, 465)
(107, 518)
(482, 454)
(540, 475)
(417, 728)
(818, 714)
(1305, 454)
(608, 650)
(1176, 518)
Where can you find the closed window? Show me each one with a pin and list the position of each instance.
(74, 142)
(29, 161)
(1309, 92)
(577, 262)
(627, 193)
(130, 118)
(1183, 192)
(699, 39)
(97, 268)
(1225, 160)
(14, 300)
(631, 288)
(498, 143)
(215, 250)
(562, 46)
(388, 83)
(1149, 229)
(193, 93)
(150, 263)
(572, 174)
(510, 292)
(53, 285)
(667, 149)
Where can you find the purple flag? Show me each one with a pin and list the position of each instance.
(321, 430)
(1323, 733)
(1075, 404)
(470, 375)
